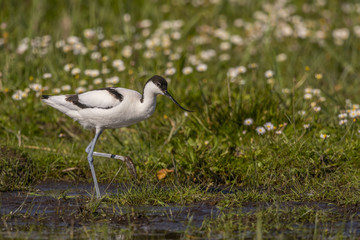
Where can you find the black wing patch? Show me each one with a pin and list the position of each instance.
(74, 98)
(115, 94)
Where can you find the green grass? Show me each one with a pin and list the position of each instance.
(208, 148)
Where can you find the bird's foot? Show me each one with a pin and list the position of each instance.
(130, 165)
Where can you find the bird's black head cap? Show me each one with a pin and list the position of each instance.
(159, 81)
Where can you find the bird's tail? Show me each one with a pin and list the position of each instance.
(59, 102)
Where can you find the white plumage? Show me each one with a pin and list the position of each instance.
(110, 108)
(100, 109)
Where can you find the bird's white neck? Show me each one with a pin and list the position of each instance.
(148, 100)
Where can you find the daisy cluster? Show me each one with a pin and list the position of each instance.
(352, 113)
(267, 127)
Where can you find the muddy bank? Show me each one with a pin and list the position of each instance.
(61, 208)
(66, 210)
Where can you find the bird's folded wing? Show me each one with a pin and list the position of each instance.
(103, 98)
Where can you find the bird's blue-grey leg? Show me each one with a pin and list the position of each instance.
(109, 155)
(87, 149)
(90, 150)
(127, 160)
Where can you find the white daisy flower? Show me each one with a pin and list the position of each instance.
(66, 88)
(117, 63)
(127, 17)
(56, 90)
(75, 71)
(281, 57)
(324, 136)
(82, 82)
(317, 109)
(202, 67)
(248, 121)
(175, 35)
(121, 68)
(36, 87)
(233, 73)
(260, 130)
(316, 92)
(269, 74)
(97, 81)
(47, 75)
(269, 126)
(187, 70)
(95, 56)
(127, 51)
(308, 90)
(170, 71)
(307, 96)
(89, 33)
(112, 80)
(17, 95)
(353, 114)
(80, 90)
(106, 43)
(343, 122)
(92, 72)
(285, 90)
(73, 40)
(68, 67)
(22, 48)
(241, 69)
(342, 115)
(302, 112)
(224, 46)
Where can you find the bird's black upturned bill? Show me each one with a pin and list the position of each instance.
(168, 94)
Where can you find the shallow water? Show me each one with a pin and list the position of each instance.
(45, 213)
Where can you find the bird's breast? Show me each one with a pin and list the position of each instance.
(128, 114)
(148, 111)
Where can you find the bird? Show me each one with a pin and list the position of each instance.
(109, 108)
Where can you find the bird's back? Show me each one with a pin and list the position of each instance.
(102, 108)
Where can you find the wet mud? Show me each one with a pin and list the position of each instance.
(65, 210)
